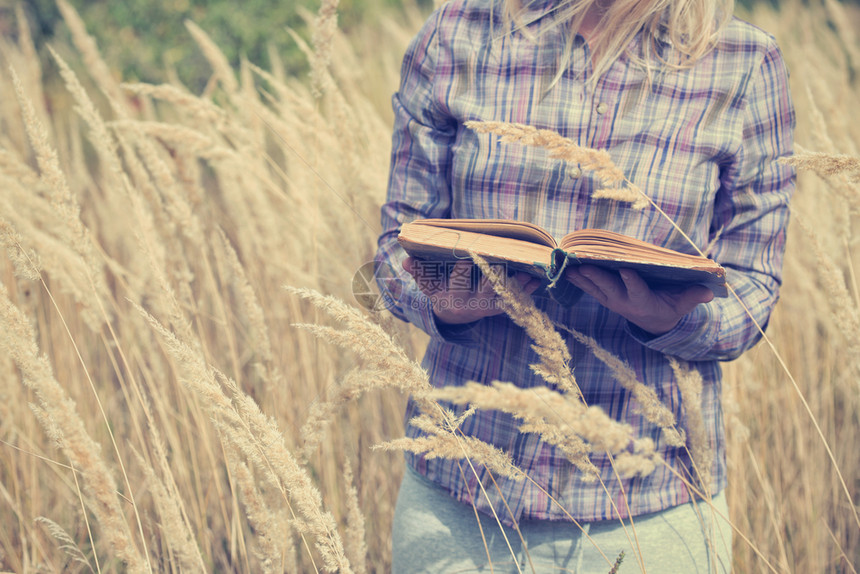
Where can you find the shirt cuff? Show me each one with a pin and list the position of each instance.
(693, 336)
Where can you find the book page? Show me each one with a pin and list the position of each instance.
(603, 244)
(428, 241)
(520, 230)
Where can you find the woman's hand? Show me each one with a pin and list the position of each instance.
(456, 299)
(655, 311)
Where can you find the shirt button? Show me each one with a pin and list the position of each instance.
(602, 108)
(574, 173)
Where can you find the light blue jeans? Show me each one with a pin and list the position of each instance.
(434, 533)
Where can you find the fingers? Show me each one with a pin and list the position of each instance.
(695, 295)
(637, 290)
(527, 283)
(626, 293)
(604, 286)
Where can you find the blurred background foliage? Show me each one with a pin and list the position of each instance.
(147, 38)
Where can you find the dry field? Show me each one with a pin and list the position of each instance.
(177, 394)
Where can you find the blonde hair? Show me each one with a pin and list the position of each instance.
(689, 26)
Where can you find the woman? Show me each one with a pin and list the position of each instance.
(694, 107)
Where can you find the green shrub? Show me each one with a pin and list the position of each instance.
(144, 38)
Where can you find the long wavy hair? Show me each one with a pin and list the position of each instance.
(690, 26)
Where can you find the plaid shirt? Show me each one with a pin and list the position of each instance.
(702, 143)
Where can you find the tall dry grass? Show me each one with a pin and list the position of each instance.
(166, 405)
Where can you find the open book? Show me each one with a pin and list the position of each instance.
(526, 247)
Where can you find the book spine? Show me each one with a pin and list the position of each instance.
(558, 264)
(561, 290)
